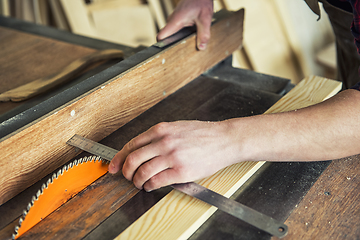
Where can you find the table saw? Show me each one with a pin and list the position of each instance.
(315, 199)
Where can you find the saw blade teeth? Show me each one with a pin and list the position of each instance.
(48, 182)
(64, 169)
(24, 213)
(58, 173)
(20, 221)
(16, 230)
(70, 165)
(38, 193)
(53, 177)
(76, 162)
(28, 207)
(33, 199)
(43, 187)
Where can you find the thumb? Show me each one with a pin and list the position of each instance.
(170, 28)
(116, 163)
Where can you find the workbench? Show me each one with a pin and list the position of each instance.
(317, 200)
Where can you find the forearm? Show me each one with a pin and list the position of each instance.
(325, 131)
(185, 151)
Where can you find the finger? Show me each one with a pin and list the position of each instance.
(116, 163)
(162, 179)
(138, 157)
(148, 170)
(143, 139)
(203, 25)
(135, 143)
(171, 27)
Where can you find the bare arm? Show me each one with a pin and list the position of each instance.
(189, 150)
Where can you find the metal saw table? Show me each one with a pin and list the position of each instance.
(316, 199)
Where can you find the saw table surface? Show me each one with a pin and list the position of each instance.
(317, 200)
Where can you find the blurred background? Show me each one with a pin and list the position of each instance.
(281, 37)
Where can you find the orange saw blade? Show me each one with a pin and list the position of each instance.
(62, 186)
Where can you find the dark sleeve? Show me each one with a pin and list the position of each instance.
(355, 30)
(356, 86)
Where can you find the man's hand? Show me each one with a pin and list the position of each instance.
(175, 152)
(189, 13)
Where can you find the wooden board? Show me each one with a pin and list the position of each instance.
(78, 17)
(5, 7)
(265, 43)
(158, 13)
(305, 33)
(331, 209)
(126, 22)
(28, 57)
(39, 148)
(128, 28)
(18, 65)
(86, 211)
(177, 215)
(59, 15)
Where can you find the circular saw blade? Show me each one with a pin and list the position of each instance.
(62, 186)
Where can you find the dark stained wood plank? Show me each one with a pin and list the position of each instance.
(331, 209)
(40, 147)
(26, 57)
(90, 207)
(66, 74)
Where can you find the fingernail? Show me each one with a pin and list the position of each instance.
(112, 167)
(202, 46)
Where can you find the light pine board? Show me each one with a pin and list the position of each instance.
(39, 148)
(78, 17)
(306, 35)
(124, 25)
(265, 43)
(178, 215)
(125, 22)
(158, 13)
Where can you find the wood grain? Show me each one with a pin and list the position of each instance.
(79, 216)
(274, 55)
(177, 215)
(26, 57)
(331, 209)
(39, 148)
(102, 195)
(106, 191)
(66, 74)
(18, 64)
